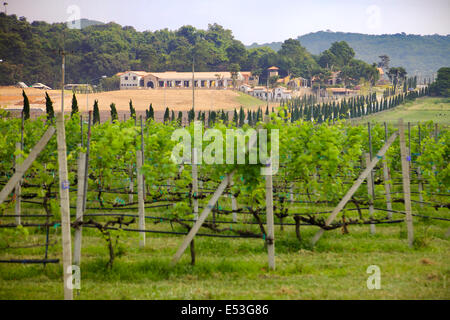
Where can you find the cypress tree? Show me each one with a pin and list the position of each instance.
(74, 105)
(166, 115)
(203, 117)
(96, 113)
(267, 110)
(180, 118)
(241, 117)
(114, 115)
(235, 118)
(49, 107)
(151, 112)
(132, 110)
(26, 106)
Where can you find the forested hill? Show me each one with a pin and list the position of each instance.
(418, 54)
(30, 51)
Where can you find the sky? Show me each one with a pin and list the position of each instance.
(251, 21)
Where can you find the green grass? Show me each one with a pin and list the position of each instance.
(248, 101)
(420, 110)
(237, 268)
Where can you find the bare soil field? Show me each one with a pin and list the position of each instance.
(175, 99)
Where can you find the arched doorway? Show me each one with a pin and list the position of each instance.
(150, 84)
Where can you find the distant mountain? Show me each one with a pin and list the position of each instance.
(84, 23)
(422, 55)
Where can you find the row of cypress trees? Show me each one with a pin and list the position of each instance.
(48, 106)
(305, 108)
(351, 108)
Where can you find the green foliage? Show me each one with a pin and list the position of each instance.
(414, 52)
(441, 87)
(123, 48)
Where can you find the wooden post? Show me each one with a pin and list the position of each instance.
(419, 173)
(79, 214)
(86, 166)
(436, 140)
(370, 193)
(234, 206)
(64, 205)
(140, 178)
(202, 218)
(131, 185)
(20, 171)
(195, 182)
(219, 191)
(18, 188)
(355, 187)
(143, 158)
(387, 178)
(370, 158)
(270, 239)
(406, 183)
(291, 193)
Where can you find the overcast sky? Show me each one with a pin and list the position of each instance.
(253, 20)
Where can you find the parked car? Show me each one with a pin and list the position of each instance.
(38, 85)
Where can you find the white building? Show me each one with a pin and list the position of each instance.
(261, 93)
(132, 80)
(277, 94)
(245, 88)
(173, 79)
(281, 93)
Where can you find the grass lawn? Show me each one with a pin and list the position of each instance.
(246, 100)
(237, 268)
(421, 110)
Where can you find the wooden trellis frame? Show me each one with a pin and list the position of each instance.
(365, 174)
(270, 237)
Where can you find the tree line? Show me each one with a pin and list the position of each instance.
(30, 53)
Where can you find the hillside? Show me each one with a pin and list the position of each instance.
(420, 110)
(418, 54)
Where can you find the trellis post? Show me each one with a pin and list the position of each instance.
(195, 182)
(140, 180)
(143, 157)
(65, 206)
(86, 161)
(79, 214)
(18, 188)
(419, 173)
(386, 177)
(130, 185)
(370, 194)
(26, 164)
(406, 183)
(355, 187)
(234, 206)
(270, 238)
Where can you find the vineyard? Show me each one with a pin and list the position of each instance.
(122, 181)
